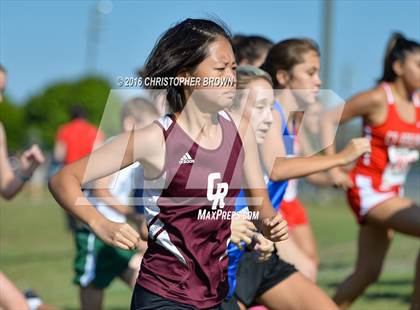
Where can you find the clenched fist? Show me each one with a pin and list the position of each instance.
(354, 149)
(275, 229)
(30, 160)
(120, 235)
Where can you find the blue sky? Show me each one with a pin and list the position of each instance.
(45, 41)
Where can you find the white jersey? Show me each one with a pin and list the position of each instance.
(122, 187)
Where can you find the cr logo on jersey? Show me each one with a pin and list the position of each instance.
(221, 190)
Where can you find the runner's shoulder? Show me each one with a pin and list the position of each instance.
(375, 97)
(149, 140)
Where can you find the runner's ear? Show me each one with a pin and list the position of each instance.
(183, 73)
(282, 77)
(397, 67)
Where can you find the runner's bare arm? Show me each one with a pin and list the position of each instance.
(270, 223)
(281, 168)
(109, 158)
(101, 187)
(10, 182)
(111, 201)
(320, 179)
(59, 153)
(365, 105)
(6, 173)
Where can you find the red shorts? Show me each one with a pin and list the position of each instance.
(293, 212)
(363, 196)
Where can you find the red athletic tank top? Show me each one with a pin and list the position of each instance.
(394, 146)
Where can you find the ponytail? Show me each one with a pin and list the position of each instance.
(397, 49)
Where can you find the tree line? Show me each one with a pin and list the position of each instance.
(38, 118)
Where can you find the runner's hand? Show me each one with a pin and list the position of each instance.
(242, 230)
(30, 160)
(264, 246)
(275, 229)
(340, 178)
(119, 235)
(354, 149)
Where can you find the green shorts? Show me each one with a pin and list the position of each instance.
(96, 262)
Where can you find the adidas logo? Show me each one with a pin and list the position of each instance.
(186, 159)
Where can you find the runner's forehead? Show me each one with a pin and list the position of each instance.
(220, 51)
(263, 90)
(311, 59)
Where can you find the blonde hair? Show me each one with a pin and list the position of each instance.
(136, 107)
(244, 76)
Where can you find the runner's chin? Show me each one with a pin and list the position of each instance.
(260, 136)
(226, 100)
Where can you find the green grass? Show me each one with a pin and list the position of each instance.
(336, 233)
(36, 251)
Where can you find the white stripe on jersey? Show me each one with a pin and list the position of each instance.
(151, 192)
(164, 240)
(224, 115)
(165, 121)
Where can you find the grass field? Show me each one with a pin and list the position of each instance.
(36, 251)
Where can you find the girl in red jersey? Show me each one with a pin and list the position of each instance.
(194, 163)
(391, 121)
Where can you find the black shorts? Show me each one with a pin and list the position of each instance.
(145, 300)
(254, 278)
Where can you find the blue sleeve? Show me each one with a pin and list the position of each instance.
(240, 201)
(235, 253)
(138, 194)
(276, 191)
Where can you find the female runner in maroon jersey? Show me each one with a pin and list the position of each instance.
(194, 163)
